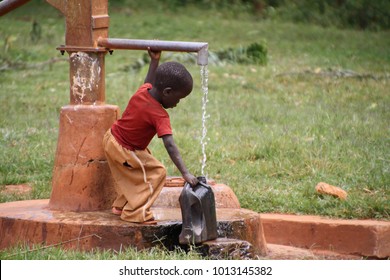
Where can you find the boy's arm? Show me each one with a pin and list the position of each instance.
(174, 154)
(154, 60)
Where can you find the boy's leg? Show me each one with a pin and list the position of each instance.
(139, 179)
(155, 174)
(148, 182)
(114, 157)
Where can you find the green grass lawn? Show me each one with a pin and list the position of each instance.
(274, 131)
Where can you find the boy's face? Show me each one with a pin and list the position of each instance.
(172, 97)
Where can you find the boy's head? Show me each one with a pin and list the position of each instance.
(173, 82)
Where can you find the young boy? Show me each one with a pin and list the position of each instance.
(139, 177)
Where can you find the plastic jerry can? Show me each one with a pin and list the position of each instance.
(198, 213)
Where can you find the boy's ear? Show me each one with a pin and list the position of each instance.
(167, 91)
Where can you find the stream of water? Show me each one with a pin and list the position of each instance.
(205, 89)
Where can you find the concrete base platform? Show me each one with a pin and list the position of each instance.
(32, 222)
(366, 238)
(283, 252)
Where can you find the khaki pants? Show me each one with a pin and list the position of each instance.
(139, 179)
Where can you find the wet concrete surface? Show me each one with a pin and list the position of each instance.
(224, 196)
(241, 232)
(33, 222)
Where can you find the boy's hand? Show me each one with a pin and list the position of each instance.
(191, 179)
(154, 55)
(154, 61)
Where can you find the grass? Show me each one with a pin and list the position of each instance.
(39, 252)
(274, 131)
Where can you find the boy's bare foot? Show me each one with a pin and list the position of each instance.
(116, 211)
(150, 222)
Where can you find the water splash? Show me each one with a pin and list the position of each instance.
(205, 89)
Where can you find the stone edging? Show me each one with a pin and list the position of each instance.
(367, 238)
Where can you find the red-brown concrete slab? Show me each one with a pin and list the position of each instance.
(16, 189)
(224, 197)
(283, 252)
(368, 238)
(82, 179)
(33, 222)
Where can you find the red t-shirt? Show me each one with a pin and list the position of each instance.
(143, 118)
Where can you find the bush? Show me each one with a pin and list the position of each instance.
(255, 53)
(361, 14)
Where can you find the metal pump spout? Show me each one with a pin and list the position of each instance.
(203, 55)
(156, 45)
(8, 5)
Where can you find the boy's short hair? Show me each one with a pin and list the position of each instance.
(173, 75)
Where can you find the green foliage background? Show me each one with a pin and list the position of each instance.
(316, 111)
(359, 14)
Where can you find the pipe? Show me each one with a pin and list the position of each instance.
(8, 5)
(156, 45)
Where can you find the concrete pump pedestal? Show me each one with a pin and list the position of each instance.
(34, 222)
(82, 179)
